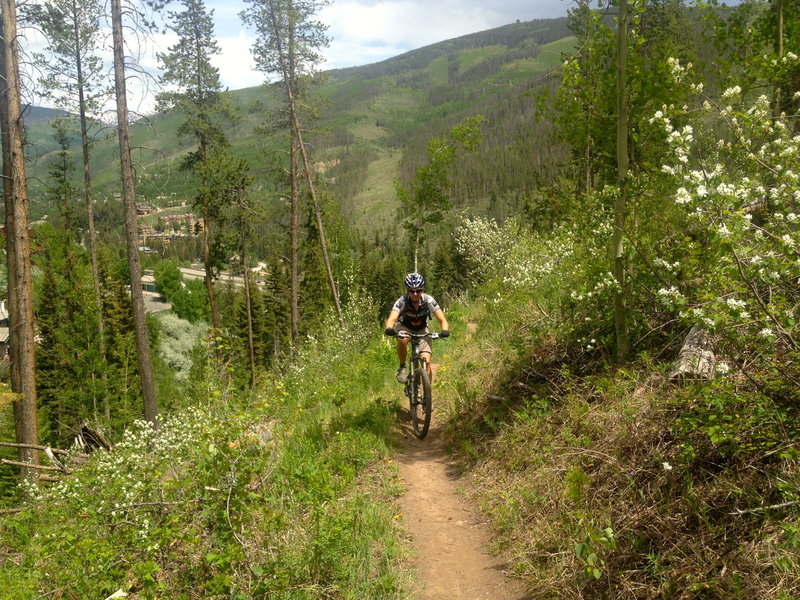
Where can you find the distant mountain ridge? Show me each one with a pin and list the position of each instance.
(33, 115)
(542, 31)
(374, 122)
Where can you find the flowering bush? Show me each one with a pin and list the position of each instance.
(563, 273)
(514, 258)
(177, 340)
(741, 198)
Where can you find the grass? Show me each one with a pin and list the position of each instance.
(287, 492)
(471, 57)
(612, 483)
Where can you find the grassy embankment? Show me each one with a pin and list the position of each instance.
(283, 493)
(614, 482)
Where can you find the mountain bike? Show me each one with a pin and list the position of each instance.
(418, 385)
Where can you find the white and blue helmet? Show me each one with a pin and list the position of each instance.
(414, 281)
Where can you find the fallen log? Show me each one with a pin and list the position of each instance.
(17, 463)
(92, 439)
(33, 447)
(54, 461)
(696, 359)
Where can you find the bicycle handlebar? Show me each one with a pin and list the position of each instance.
(434, 335)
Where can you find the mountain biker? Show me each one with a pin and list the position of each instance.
(411, 313)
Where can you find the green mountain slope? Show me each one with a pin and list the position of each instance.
(373, 124)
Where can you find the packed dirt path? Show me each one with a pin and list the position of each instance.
(451, 537)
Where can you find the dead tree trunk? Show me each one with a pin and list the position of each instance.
(20, 280)
(131, 226)
(294, 244)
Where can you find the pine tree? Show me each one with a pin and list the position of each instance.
(198, 95)
(313, 297)
(74, 78)
(123, 382)
(426, 200)
(277, 323)
(258, 324)
(60, 188)
(288, 43)
(69, 362)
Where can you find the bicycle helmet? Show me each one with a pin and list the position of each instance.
(414, 280)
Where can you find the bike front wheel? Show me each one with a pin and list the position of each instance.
(420, 406)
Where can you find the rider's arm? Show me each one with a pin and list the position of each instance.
(393, 316)
(439, 314)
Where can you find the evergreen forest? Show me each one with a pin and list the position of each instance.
(197, 398)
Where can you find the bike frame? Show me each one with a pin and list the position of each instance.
(420, 422)
(415, 357)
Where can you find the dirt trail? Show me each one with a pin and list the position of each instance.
(451, 537)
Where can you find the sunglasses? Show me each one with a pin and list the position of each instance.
(415, 291)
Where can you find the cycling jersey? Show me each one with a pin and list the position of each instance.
(416, 319)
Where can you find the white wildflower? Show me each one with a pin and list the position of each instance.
(682, 196)
(731, 92)
(735, 303)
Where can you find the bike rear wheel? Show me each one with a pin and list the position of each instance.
(420, 403)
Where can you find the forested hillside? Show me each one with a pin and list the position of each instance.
(373, 124)
(606, 207)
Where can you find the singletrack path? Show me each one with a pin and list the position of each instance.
(451, 537)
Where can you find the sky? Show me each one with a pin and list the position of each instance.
(367, 31)
(360, 31)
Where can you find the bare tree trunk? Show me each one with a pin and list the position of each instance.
(294, 226)
(696, 359)
(620, 204)
(249, 307)
(131, 228)
(20, 281)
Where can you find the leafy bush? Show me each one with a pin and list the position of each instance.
(177, 339)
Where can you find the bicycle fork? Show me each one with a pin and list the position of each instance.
(416, 362)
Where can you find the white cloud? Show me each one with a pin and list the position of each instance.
(235, 63)
(365, 31)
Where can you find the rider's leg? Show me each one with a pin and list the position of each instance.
(428, 360)
(402, 349)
